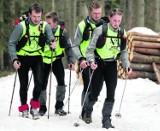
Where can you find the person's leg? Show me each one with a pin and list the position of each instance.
(43, 95)
(59, 73)
(23, 78)
(111, 83)
(92, 97)
(37, 68)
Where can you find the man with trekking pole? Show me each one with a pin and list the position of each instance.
(25, 47)
(81, 41)
(53, 62)
(108, 44)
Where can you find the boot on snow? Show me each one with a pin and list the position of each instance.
(42, 110)
(34, 109)
(25, 110)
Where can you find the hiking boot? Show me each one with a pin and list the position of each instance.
(107, 124)
(87, 117)
(60, 112)
(25, 114)
(42, 110)
(34, 113)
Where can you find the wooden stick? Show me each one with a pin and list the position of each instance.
(156, 71)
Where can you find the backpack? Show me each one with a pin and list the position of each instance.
(102, 38)
(62, 38)
(24, 16)
(88, 27)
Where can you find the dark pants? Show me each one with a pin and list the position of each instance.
(106, 71)
(86, 77)
(36, 65)
(57, 69)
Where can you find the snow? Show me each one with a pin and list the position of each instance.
(143, 30)
(140, 108)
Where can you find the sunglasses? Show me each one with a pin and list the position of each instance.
(115, 11)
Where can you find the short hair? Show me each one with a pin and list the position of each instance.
(53, 16)
(36, 7)
(95, 4)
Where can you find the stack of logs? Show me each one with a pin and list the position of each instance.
(144, 56)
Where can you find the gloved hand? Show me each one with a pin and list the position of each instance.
(53, 45)
(93, 65)
(71, 67)
(128, 71)
(16, 64)
(83, 64)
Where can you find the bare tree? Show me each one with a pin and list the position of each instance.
(140, 12)
(156, 15)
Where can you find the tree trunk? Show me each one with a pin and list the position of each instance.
(142, 67)
(146, 44)
(147, 51)
(156, 71)
(147, 39)
(140, 13)
(156, 14)
(142, 74)
(139, 58)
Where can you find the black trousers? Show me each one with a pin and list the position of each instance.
(86, 77)
(36, 65)
(106, 72)
(58, 71)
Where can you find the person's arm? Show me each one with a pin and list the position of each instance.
(124, 52)
(68, 48)
(92, 46)
(49, 34)
(13, 41)
(76, 44)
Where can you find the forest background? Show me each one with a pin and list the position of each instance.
(137, 13)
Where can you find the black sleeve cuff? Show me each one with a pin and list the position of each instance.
(81, 58)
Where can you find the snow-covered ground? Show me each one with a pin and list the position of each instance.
(140, 108)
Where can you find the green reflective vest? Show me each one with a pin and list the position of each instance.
(48, 55)
(111, 48)
(85, 44)
(32, 47)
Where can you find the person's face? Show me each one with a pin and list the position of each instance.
(51, 23)
(115, 20)
(96, 14)
(35, 17)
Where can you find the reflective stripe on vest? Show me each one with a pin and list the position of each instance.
(48, 56)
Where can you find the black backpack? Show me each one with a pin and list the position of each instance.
(102, 38)
(88, 27)
(62, 38)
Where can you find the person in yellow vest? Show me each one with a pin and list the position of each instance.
(102, 56)
(81, 41)
(54, 59)
(25, 47)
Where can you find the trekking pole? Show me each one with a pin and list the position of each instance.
(69, 92)
(77, 124)
(30, 80)
(50, 84)
(118, 114)
(14, 85)
(72, 89)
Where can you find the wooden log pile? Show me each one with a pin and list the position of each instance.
(144, 56)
